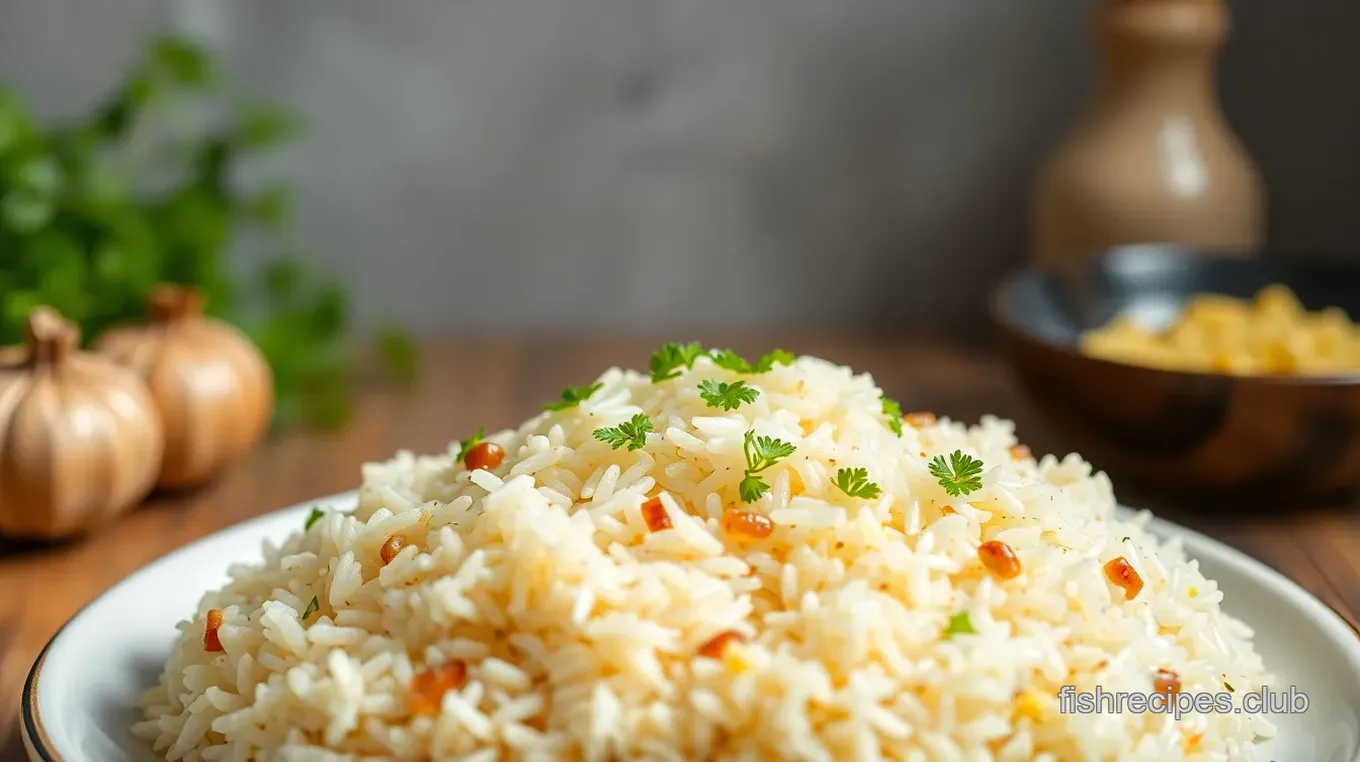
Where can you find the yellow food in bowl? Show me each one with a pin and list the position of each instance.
(1270, 335)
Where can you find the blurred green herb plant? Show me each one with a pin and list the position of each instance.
(94, 213)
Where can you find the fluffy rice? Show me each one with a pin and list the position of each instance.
(579, 627)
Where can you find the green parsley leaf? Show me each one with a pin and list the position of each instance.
(776, 357)
(312, 608)
(726, 358)
(727, 396)
(960, 624)
(573, 396)
(666, 363)
(894, 412)
(960, 476)
(855, 483)
(761, 453)
(751, 488)
(312, 518)
(467, 444)
(632, 432)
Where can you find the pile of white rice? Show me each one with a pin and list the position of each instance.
(579, 627)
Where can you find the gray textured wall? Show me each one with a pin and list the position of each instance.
(697, 162)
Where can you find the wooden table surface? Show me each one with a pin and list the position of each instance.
(497, 384)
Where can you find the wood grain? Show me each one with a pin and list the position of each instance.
(497, 383)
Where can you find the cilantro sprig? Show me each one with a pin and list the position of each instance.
(893, 411)
(312, 518)
(726, 358)
(855, 483)
(727, 396)
(776, 357)
(761, 453)
(632, 433)
(667, 362)
(467, 444)
(961, 475)
(573, 396)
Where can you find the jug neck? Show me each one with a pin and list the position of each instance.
(1160, 50)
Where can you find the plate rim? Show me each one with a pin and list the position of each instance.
(34, 736)
(40, 747)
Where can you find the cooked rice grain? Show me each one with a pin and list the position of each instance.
(579, 626)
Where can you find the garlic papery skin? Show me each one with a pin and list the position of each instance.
(211, 385)
(80, 437)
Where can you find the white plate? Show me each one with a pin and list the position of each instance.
(81, 696)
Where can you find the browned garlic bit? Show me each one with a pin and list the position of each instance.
(999, 559)
(715, 646)
(211, 624)
(747, 524)
(429, 686)
(1123, 575)
(487, 455)
(654, 513)
(1165, 681)
(391, 548)
(919, 420)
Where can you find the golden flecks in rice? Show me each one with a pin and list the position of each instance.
(580, 621)
(1033, 705)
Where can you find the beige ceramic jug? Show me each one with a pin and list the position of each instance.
(1153, 160)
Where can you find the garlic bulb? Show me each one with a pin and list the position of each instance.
(81, 438)
(212, 387)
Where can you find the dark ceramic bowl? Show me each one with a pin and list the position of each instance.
(1288, 440)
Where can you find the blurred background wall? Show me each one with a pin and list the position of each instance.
(574, 163)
